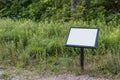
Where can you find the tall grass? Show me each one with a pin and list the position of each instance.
(27, 43)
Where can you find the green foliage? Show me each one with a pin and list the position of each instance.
(60, 10)
(4, 76)
(26, 43)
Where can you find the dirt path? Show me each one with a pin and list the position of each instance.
(72, 77)
(29, 75)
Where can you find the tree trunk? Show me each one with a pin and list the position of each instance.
(73, 4)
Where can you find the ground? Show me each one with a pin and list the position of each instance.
(22, 74)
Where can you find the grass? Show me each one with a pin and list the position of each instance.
(40, 46)
(4, 76)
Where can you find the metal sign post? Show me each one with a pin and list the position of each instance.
(82, 59)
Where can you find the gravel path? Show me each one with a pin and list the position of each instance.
(71, 77)
(27, 75)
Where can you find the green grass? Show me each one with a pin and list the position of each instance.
(4, 76)
(40, 45)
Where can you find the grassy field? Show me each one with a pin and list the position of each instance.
(40, 46)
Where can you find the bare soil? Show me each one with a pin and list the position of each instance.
(30, 75)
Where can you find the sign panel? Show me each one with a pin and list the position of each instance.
(82, 37)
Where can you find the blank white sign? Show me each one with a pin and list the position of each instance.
(82, 37)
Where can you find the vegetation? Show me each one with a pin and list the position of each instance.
(40, 45)
(33, 34)
(60, 10)
(4, 76)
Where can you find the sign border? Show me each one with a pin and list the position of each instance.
(81, 46)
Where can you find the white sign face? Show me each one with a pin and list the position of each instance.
(82, 37)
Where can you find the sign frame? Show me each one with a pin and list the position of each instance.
(82, 46)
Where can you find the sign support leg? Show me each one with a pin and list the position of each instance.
(82, 59)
